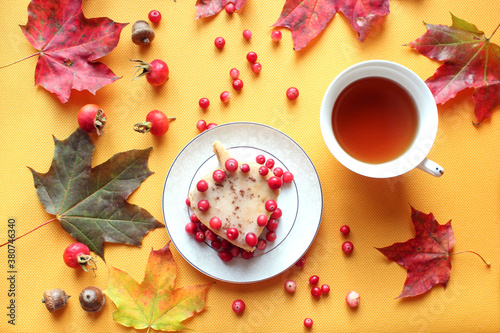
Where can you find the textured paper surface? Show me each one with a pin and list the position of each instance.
(377, 210)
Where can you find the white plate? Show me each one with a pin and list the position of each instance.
(301, 201)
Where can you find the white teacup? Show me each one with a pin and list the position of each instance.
(415, 155)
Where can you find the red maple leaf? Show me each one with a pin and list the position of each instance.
(470, 61)
(206, 8)
(69, 44)
(426, 257)
(307, 18)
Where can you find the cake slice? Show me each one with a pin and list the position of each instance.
(237, 201)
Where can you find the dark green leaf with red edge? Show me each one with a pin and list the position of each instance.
(155, 303)
(69, 44)
(91, 202)
(470, 61)
(206, 8)
(426, 257)
(307, 18)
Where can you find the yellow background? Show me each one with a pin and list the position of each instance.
(377, 210)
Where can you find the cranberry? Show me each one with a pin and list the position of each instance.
(261, 244)
(316, 291)
(211, 125)
(325, 289)
(252, 57)
(210, 235)
(235, 251)
(301, 262)
(232, 233)
(154, 16)
(271, 205)
(278, 172)
(203, 205)
(238, 306)
(202, 227)
(276, 35)
(225, 244)
(218, 175)
(199, 236)
(230, 8)
(247, 34)
(234, 73)
(231, 165)
(263, 170)
(245, 168)
(237, 84)
(290, 286)
(344, 230)
(202, 186)
(204, 103)
(225, 96)
(287, 177)
(347, 247)
(201, 125)
(274, 182)
(271, 236)
(188, 202)
(352, 299)
(194, 218)
(191, 228)
(314, 279)
(256, 67)
(251, 239)
(216, 244)
(270, 163)
(308, 322)
(272, 225)
(219, 42)
(277, 213)
(261, 159)
(247, 254)
(215, 223)
(292, 93)
(225, 255)
(262, 220)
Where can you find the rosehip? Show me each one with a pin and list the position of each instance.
(91, 119)
(157, 123)
(77, 255)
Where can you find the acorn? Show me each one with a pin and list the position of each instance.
(55, 299)
(92, 299)
(142, 33)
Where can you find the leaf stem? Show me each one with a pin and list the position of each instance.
(477, 254)
(29, 232)
(15, 62)
(498, 26)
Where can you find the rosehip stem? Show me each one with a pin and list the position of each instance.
(15, 62)
(477, 254)
(29, 232)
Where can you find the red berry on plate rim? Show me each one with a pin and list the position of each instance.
(232, 233)
(245, 168)
(290, 286)
(215, 222)
(344, 230)
(287, 177)
(204, 103)
(194, 218)
(216, 244)
(199, 236)
(352, 299)
(201, 125)
(261, 159)
(308, 322)
(274, 182)
(276, 35)
(231, 165)
(157, 123)
(203, 205)
(247, 254)
(271, 205)
(247, 34)
(218, 175)
(251, 239)
(347, 247)
(225, 255)
(271, 236)
(78, 255)
(237, 84)
(188, 202)
(154, 16)
(314, 279)
(316, 291)
(219, 42)
(230, 8)
(256, 67)
(156, 71)
(91, 119)
(191, 228)
(263, 171)
(202, 186)
(292, 93)
(203, 227)
(278, 172)
(234, 73)
(225, 96)
(210, 235)
(272, 225)
(252, 57)
(238, 306)
(301, 262)
(261, 244)
(277, 213)
(262, 220)
(270, 163)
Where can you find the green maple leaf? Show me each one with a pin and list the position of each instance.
(90, 203)
(155, 303)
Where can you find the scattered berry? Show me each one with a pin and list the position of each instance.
(201, 125)
(202, 186)
(290, 286)
(230, 8)
(247, 254)
(344, 230)
(218, 175)
(262, 220)
(225, 255)
(234, 73)
(157, 123)
(232, 233)
(316, 291)
(194, 218)
(231, 165)
(261, 159)
(270, 163)
(274, 182)
(276, 35)
(238, 306)
(188, 202)
(325, 289)
(271, 205)
(199, 236)
(261, 244)
(314, 279)
(204, 103)
(263, 171)
(252, 57)
(225, 96)
(256, 68)
(219, 42)
(203, 205)
(278, 172)
(347, 247)
(211, 125)
(210, 235)
(292, 93)
(215, 222)
(191, 228)
(308, 322)
(245, 168)
(272, 225)
(277, 213)
(154, 16)
(251, 239)
(247, 34)
(287, 177)
(352, 299)
(271, 236)
(237, 84)
(91, 119)
(216, 244)
(301, 262)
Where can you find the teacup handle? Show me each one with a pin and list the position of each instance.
(431, 167)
